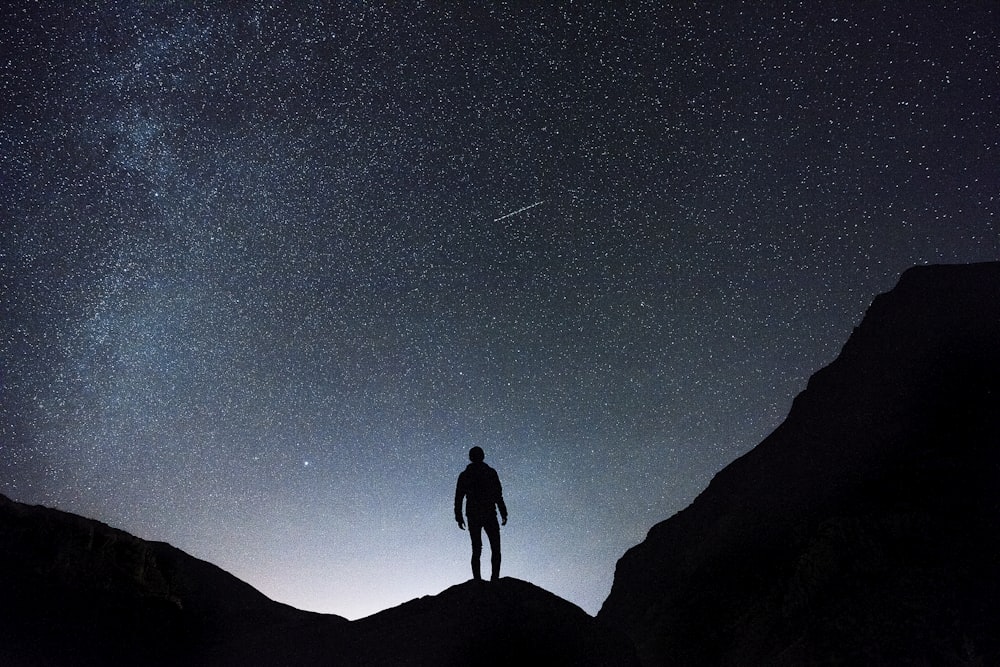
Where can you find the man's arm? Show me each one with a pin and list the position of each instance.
(500, 503)
(459, 495)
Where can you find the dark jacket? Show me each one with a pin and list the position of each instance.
(479, 484)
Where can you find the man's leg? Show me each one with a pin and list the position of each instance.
(475, 532)
(492, 529)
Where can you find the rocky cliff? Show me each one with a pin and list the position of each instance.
(864, 530)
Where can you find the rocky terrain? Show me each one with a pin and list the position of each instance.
(78, 592)
(864, 529)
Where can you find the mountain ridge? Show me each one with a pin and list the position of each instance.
(79, 592)
(886, 452)
(102, 591)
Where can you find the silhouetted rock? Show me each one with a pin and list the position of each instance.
(74, 591)
(865, 529)
(78, 592)
(506, 622)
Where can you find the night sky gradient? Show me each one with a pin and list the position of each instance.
(269, 270)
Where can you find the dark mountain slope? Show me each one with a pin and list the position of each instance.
(77, 592)
(865, 529)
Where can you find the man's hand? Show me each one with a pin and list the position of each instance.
(461, 524)
(503, 521)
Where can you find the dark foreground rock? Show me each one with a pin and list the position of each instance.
(507, 622)
(866, 528)
(77, 592)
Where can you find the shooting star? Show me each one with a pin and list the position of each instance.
(520, 210)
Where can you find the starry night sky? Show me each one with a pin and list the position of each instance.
(269, 270)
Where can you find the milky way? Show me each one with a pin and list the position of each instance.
(262, 285)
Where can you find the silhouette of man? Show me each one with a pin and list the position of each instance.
(479, 486)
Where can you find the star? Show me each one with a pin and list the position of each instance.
(241, 241)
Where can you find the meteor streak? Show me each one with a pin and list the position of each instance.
(520, 210)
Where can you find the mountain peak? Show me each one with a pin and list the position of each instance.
(502, 622)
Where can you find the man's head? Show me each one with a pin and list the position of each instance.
(476, 454)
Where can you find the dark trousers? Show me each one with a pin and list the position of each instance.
(492, 528)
